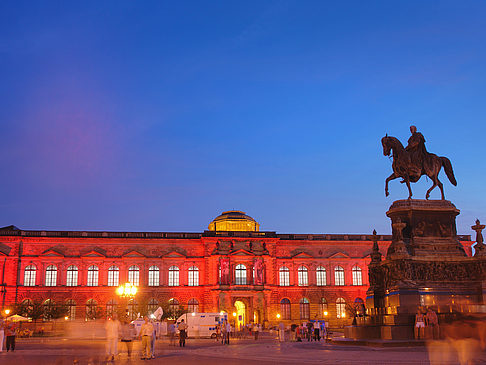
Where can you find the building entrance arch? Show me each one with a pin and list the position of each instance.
(240, 314)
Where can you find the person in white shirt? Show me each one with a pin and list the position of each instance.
(112, 327)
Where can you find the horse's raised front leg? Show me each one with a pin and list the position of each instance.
(391, 177)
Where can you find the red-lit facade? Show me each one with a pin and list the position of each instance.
(272, 276)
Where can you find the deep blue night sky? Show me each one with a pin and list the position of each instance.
(157, 116)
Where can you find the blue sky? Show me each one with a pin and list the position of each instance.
(157, 116)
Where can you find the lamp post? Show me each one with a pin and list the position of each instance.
(127, 291)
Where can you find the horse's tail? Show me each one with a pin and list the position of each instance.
(448, 170)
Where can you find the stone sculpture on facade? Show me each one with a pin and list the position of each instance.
(479, 247)
(412, 162)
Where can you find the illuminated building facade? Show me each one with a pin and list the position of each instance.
(260, 276)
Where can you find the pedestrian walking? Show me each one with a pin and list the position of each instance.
(172, 332)
(317, 336)
(127, 335)
(310, 328)
(281, 332)
(152, 343)
(2, 333)
(228, 332)
(146, 332)
(112, 327)
(10, 333)
(256, 330)
(182, 333)
(433, 323)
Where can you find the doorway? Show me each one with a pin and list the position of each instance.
(240, 314)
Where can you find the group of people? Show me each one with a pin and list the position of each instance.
(8, 331)
(125, 332)
(427, 320)
(310, 331)
(223, 331)
(172, 333)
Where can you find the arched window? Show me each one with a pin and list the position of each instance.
(193, 305)
(71, 309)
(340, 308)
(359, 307)
(111, 308)
(29, 275)
(240, 274)
(92, 276)
(323, 308)
(173, 276)
(357, 277)
(134, 275)
(285, 308)
(321, 277)
(303, 276)
(72, 276)
(304, 308)
(113, 276)
(132, 308)
(173, 308)
(193, 276)
(92, 311)
(153, 279)
(152, 305)
(338, 276)
(26, 308)
(48, 307)
(284, 276)
(51, 275)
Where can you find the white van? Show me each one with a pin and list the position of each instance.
(202, 324)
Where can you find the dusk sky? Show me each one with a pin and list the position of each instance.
(158, 116)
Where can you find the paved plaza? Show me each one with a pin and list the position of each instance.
(205, 351)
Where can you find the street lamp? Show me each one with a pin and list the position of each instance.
(127, 291)
(7, 312)
(278, 315)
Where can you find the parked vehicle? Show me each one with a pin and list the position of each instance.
(202, 324)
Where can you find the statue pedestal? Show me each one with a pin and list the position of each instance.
(425, 266)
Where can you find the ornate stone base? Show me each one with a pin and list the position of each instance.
(425, 266)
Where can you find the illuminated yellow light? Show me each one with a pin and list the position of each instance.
(234, 314)
(221, 312)
(278, 315)
(7, 311)
(193, 314)
(120, 290)
(343, 315)
(133, 290)
(66, 318)
(325, 313)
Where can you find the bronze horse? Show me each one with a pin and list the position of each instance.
(402, 163)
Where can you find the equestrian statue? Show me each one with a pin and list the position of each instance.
(413, 161)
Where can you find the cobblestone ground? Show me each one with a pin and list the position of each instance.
(201, 352)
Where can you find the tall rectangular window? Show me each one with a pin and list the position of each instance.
(321, 276)
(92, 276)
(51, 275)
(29, 275)
(153, 276)
(72, 276)
(134, 275)
(193, 276)
(284, 276)
(173, 276)
(338, 276)
(113, 276)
